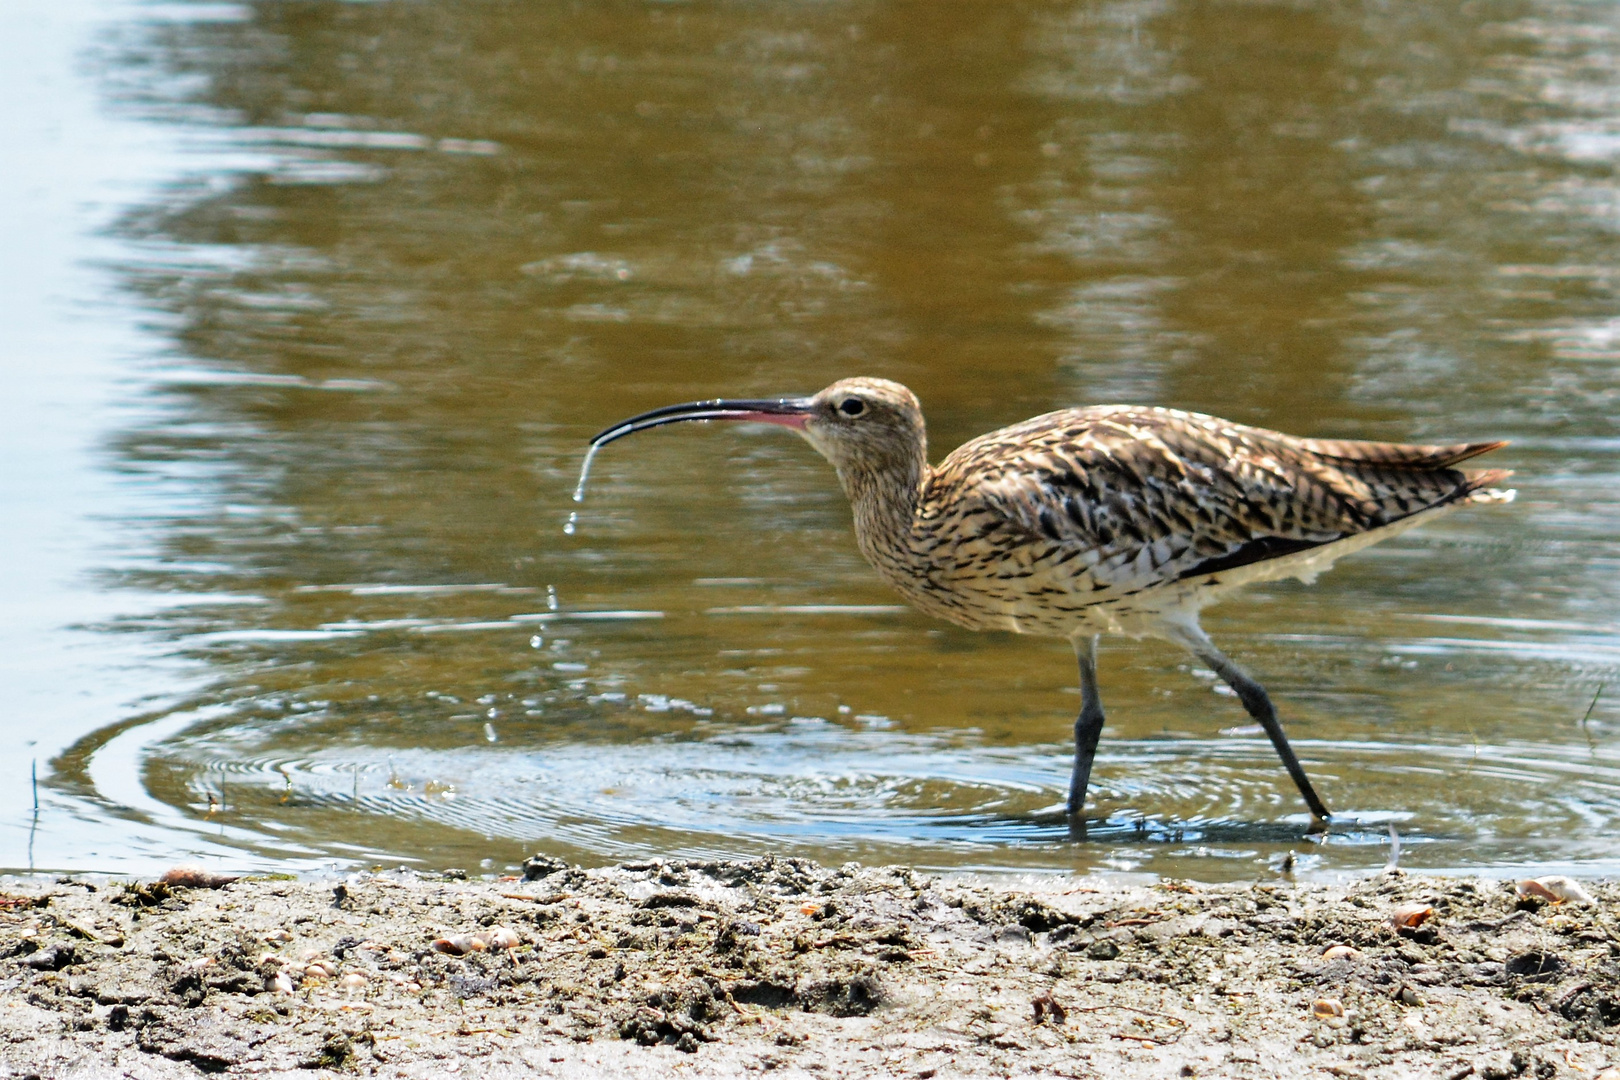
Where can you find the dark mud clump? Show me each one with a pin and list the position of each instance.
(744, 967)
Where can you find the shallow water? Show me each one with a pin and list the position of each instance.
(324, 300)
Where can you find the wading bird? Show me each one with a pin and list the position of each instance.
(1115, 518)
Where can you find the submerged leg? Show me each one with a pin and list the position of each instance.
(1088, 728)
(1254, 699)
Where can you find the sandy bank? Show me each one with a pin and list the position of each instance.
(785, 968)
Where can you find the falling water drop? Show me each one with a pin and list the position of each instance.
(584, 473)
(579, 490)
(551, 597)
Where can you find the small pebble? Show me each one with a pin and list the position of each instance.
(195, 877)
(1342, 952)
(1323, 1008)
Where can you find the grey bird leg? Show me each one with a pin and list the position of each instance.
(1088, 728)
(1255, 700)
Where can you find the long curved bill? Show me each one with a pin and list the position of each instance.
(788, 412)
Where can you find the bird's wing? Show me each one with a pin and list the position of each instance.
(1142, 495)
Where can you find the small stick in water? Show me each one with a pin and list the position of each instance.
(1585, 720)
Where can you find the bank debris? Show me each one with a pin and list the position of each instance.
(787, 968)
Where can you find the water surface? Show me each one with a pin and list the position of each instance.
(403, 260)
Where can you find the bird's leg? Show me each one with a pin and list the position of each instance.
(1088, 728)
(1255, 700)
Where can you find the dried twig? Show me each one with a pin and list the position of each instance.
(554, 898)
(1158, 917)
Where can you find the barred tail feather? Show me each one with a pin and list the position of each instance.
(1397, 455)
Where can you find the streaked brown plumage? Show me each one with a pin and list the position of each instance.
(1114, 518)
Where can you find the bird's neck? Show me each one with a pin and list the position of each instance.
(885, 502)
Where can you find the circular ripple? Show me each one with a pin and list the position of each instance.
(1215, 807)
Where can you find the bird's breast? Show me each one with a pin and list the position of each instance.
(967, 570)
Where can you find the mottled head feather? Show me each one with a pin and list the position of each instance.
(869, 427)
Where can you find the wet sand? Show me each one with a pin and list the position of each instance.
(782, 967)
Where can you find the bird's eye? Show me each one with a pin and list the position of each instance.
(852, 406)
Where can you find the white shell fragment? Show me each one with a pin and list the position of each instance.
(1556, 890)
(500, 937)
(497, 937)
(1341, 952)
(460, 944)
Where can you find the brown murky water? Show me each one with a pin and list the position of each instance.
(406, 258)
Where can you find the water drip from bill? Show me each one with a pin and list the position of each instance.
(585, 473)
(572, 524)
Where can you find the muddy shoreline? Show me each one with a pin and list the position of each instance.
(783, 967)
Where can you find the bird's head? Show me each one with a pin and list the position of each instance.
(864, 426)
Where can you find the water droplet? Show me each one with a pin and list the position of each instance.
(584, 473)
(489, 733)
(573, 522)
(536, 641)
(551, 598)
